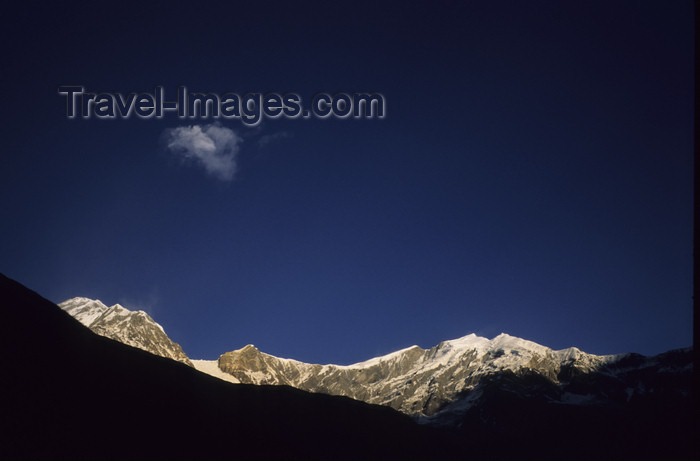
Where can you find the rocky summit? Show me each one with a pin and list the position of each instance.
(134, 328)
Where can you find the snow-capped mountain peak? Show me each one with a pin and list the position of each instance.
(135, 328)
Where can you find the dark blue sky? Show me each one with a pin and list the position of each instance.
(532, 175)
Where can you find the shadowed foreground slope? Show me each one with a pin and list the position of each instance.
(68, 393)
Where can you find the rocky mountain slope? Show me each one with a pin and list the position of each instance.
(440, 384)
(134, 328)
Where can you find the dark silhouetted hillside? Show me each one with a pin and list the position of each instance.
(68, 393)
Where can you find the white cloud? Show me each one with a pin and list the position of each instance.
(212, 146)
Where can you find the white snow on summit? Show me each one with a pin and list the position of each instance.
(85, 310)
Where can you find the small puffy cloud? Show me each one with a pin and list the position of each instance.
(212, 146)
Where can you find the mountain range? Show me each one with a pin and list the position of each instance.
(69, 393)
(436, 386)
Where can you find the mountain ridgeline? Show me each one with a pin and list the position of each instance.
(471, 397)
(419, 382)
(437, 386)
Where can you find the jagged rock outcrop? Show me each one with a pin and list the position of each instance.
(135, 328)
